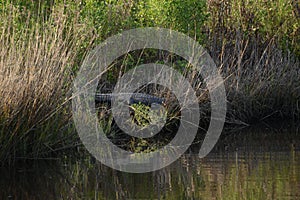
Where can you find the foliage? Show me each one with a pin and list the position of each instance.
(111, 16)
(262, 19)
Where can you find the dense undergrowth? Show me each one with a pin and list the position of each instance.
(255, 45)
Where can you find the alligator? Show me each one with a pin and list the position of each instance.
(134, 98)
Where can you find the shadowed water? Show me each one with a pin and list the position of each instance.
(250, 164)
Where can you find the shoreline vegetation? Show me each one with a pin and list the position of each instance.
(255, 45)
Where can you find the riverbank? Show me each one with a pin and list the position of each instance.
(43, 45)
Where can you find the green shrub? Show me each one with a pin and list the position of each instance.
(270, 20)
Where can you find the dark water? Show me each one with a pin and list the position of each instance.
(262, 164)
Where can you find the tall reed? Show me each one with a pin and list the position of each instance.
(38, 57)
(259, 62)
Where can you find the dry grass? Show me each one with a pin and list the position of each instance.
(37, 59)
(261, 80)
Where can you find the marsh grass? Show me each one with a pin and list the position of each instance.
(256, 48)
(262, 81)
(37, 62)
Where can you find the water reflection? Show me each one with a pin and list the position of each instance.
(246, 165)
